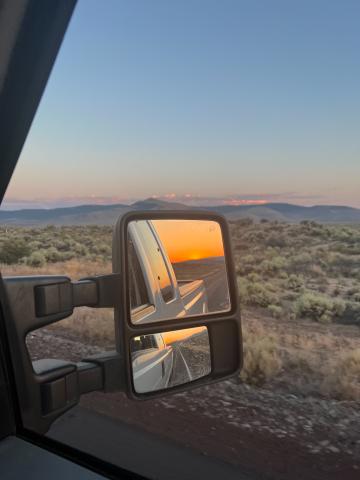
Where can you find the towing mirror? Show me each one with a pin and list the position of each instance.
(177, 321)
(177, 315)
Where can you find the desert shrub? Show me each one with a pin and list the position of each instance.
(36, 259)
(319, 307)
(245, 222)
(273, 266)
(34, 245)
(246, 264)
(356, 297)
(275, 310)
(342, 264)
(254, 236)
(13, 250)
(354, 294)
(295, 282)
(336, 290)
(301, 262)
(351, 314)
(262, 361)
(255, 294)
(277, 240)
(351, 291)
(341, 377)
(80, 250)
(53, 255)
(317, 271)
(253, 277)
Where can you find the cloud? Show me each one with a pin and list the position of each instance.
(247, 199)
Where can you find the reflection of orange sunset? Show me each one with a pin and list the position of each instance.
(176, 335)
(190, 239)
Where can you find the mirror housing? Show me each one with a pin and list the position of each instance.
(223, 327)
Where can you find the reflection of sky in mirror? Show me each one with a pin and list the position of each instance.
(190, 239)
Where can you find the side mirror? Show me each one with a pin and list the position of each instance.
(177, 318)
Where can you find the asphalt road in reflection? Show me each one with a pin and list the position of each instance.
(217, 290)
(191, 359)
(181, 372)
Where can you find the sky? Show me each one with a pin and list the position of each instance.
(200, 101)
(190, 239)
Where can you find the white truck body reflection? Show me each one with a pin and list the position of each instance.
(167, 359)
(155, 292)
(152, 363)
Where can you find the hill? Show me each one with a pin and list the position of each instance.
(108, 214)
(291, 213)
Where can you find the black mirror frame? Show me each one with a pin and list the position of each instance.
(224, 328)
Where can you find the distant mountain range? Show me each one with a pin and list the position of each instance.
(108, 214)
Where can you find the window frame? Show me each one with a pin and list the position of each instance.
(32, 37)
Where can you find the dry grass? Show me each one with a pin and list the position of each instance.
(323, 362)
(95, 326)
(341, 377)
(75, 269)
(262, 361)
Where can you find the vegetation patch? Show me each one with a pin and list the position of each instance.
(299, 287)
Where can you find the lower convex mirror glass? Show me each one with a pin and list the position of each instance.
(164, 360)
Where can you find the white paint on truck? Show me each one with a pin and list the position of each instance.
(166, 297)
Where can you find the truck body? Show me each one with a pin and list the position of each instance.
(152, 362)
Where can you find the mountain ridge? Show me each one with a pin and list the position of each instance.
(108, 214)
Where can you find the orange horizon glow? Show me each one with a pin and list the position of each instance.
(176, 335)
(190, 239)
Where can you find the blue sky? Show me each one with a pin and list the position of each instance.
(231, 99)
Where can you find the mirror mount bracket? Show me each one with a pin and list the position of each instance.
(42, 398)
(61, 383)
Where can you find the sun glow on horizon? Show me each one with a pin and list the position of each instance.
(176, 335)
(190, 239)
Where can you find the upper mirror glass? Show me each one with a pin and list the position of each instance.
(176, 269)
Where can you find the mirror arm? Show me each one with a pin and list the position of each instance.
(62, 383)
(111, 365)
(62, 297)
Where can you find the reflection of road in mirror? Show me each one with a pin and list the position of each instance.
(167, 359)
(191, 359)
(212, 271)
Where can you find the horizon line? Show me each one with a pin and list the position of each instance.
(41, 205)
